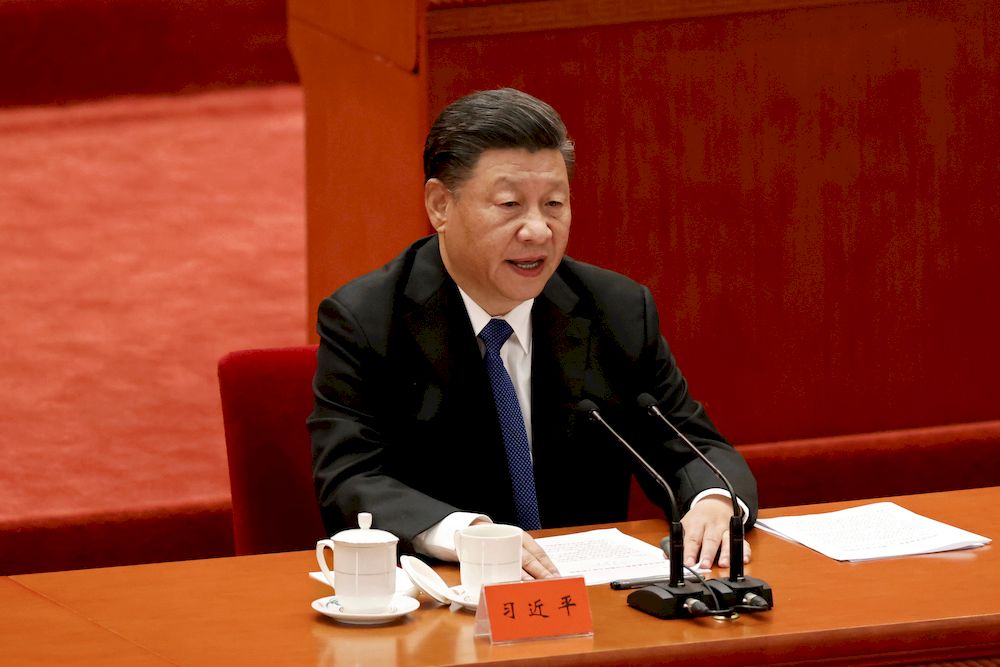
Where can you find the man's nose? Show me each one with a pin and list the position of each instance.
(535, 228)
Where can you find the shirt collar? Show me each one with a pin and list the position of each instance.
(519, 319)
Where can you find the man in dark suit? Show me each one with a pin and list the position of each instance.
(448, 381)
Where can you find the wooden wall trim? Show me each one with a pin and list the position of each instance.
(515, 17)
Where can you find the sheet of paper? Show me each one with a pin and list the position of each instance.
(877, 530)
(603, 555)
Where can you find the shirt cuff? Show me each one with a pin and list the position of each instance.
(724, 494)
(438, 541)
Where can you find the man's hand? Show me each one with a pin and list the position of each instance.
(706, 533)
(535, 562)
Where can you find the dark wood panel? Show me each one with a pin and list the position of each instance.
(466, 18)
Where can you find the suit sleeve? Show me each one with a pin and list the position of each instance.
(690, 475)
(348, 427)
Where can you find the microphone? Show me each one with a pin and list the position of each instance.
(738, 589)
(676, 598)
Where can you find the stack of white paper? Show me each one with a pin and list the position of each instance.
(877, 530)
(604, 555)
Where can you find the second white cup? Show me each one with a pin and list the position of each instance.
(488, 553)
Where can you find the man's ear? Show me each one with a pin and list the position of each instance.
(437, 198)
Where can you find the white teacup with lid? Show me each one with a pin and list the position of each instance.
(364, 567)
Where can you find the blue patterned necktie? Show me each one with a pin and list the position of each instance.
(515, 438)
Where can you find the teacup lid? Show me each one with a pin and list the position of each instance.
(425, 578)
(365, 535)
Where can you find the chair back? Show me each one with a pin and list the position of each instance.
(266, 397)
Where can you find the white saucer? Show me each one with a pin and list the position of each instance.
(401, 606)
(404, 585)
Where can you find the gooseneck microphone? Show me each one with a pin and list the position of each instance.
(740, 591)
(648, 403)
(677, 598)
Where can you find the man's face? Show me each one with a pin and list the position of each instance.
(504, 230)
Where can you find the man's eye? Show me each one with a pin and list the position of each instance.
(509, 204)
(554, 203)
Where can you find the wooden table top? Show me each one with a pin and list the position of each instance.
(256, 610)
(35, 630)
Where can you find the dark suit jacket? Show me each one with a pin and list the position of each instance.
(405, 425)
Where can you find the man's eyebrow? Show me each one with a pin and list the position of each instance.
(509, 181)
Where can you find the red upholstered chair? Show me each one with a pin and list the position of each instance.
(266, 397)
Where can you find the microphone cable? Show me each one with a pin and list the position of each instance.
(729, 613)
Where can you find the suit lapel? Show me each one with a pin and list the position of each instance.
(426, 314)
(561, 342)
(449, 371)
(561, 345)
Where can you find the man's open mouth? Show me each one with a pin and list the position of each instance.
(526, 266)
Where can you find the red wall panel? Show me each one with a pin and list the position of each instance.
(811, 194)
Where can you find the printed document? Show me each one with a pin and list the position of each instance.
(877, 530)
(603, 555)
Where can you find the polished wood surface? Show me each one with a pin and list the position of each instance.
(255, 609)
(35, 630)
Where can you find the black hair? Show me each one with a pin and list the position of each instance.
(501, 118)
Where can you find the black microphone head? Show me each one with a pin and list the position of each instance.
(645, 401)
(587, 405)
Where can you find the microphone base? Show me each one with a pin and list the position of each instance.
(665, 601)
(732, 593)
